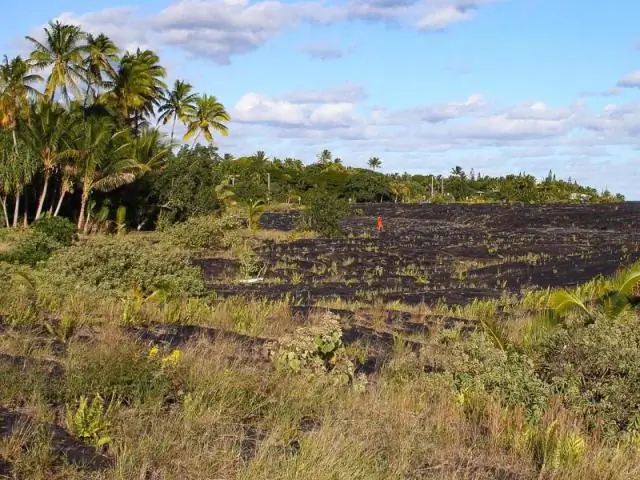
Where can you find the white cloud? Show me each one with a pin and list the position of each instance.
(122, 24)
(221, 29)
(338, 114)
(632, 80)
(326, 109)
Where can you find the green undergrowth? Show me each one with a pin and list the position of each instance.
(116, 343)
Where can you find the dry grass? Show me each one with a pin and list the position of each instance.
(223, 410)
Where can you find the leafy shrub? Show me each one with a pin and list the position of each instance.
(122, 263)
(317, 349)
(202, 232)
(46, 235)
(596, 369)
(57, 228)
(323, 213)
(35, 248)
(478, 367)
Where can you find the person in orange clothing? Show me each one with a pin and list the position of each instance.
(380, 225)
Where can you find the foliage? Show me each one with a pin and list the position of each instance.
(596, 369)
(122, 263)
(47, 235)
(91, 421)
(478, 367)
(316, 349)
(198, 232)
(254, 212)
(186, 185)
(58, 229)
(135, 302)
(323, 213)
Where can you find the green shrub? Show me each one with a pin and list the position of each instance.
(478, 368)
(91, 421)
(596, 369)
(35, 248)
(316, 350)
(121, 263)
(45, 236)
(57, 228)
(323, 213)
(202, 232)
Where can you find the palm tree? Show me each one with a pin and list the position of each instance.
(101, 56)
(325, 157)
(137, 88)
(63, 52)
(21, 169)
(103, 158)
(151, 149)
(45, 136)
(209, 117)
(457, 171)
(177, 103)
(374, 163)
(16, 90)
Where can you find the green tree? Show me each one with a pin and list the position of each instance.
(209, 116)
(44, 134)
(99, 64)
(104, 161)
(137, 88)
(374, 163)
(62, 51)
(177, 103)
(325, 157)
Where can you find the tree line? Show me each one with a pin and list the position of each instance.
(79, 117)
(80, 137)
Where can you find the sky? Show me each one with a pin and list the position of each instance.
(498, 86)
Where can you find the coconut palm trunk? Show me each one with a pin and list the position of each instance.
(173, 127)
(3, 200)
(56, 212)
(16, 209)
(43, 193)
(83, 207)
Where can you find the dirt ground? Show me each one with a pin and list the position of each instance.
(454, 253)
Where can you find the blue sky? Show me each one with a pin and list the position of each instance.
(501, 86)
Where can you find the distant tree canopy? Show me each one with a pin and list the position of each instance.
(79, 139)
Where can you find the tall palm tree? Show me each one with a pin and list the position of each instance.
(45, 136)
(99, 64)
(177, 103)
(103, 158)
(63, 52)
(325, 157)
(209, 116)
(137, 87)
(16, 90)
(374, 163)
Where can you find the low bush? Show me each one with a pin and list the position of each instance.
(57, 228)
(121, 263)
(596, 370)
(202, 232)
(45, 236)
(323, 213)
